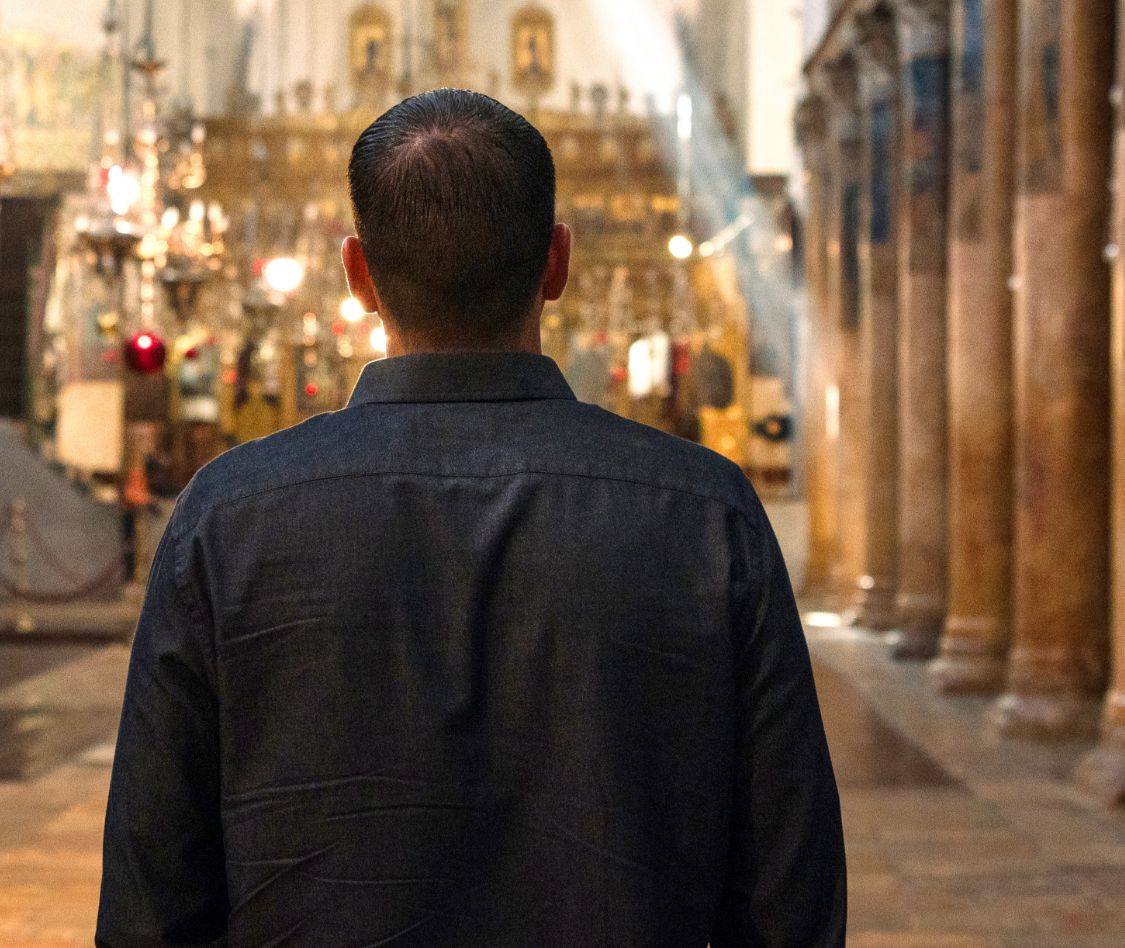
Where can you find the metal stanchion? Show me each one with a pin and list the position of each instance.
(17, 521)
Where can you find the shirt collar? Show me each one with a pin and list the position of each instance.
(461, 377)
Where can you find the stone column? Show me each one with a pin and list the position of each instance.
(842, 83)
(811, 122)
(920, 602)
(878, 277)
(1061, 341)
(1102, 771)
(975, 641)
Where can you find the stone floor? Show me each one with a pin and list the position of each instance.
(50, 856)
(978, 843)
(973, 843)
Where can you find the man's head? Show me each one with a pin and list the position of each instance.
(454, 203)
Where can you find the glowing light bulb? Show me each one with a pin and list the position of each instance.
(123, 189)
(284, 274)
(680, 247)
(352, 310)
(684, 117)
(145, 353)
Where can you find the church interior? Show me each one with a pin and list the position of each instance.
(868, 250)
(211, 237)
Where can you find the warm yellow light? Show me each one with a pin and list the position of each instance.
(832, 407)
(284, 274)
(680, 247)
(379, 338)
(684, 117)
(822, 620)
(149, 246)
(123, 189)
(707, 249)
(352, 309)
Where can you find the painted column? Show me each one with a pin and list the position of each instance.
(977, 628)
(1102, 771)
(1061, 343)
(820, 442)
(878, 333)
(920, 602)
(842, 78)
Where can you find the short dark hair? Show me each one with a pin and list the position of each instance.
(454, 202)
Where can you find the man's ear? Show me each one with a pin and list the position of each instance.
(558, 263)
(360, 283)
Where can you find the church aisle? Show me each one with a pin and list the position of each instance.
(971, 843)
(977, 842)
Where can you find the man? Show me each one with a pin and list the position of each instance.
(469, 663)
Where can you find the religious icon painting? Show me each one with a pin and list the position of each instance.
(533, 50)
(1042, 126)
(369, 45)
(450, 29)
(969, 131)
(926, 151)
(882, 170)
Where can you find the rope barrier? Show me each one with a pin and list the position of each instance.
(51, 559)
(84, 586)
(58, 599)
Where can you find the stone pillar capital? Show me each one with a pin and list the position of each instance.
(841, 85)
(810, 122)
(923, 27)
(876, 47)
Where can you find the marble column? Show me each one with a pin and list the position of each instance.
(975, 640)
(819, 441)
(1061, 342)
(920, 601)
(877, 50)
(842, 84)
(1102, 771)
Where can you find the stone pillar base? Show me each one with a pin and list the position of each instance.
(874, 605)
(1061, 716)
(1102, 771)
(820, 596)
(919, 621)
(971, 659)
(822, 588)
(916, 644)
(954, 674)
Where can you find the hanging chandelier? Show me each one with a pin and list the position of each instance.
(145, 207)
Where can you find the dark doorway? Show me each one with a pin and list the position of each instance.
(22, 222)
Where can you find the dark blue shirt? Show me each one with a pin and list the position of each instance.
(471, 663)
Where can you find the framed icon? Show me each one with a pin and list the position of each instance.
(450, 28)
(370, 46)
(533, 50)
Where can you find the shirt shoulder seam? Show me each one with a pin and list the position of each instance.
(227, 501)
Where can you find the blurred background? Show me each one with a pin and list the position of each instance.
(866, 249)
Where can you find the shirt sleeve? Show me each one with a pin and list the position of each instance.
(786, 883)
(163, 874)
